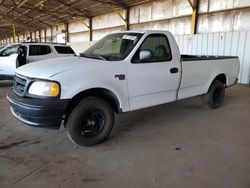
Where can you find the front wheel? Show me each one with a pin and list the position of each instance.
(215, 96)
(90, 121)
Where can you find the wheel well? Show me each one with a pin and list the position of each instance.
(222, 78)
(102, 93)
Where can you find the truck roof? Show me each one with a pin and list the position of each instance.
(144, 31)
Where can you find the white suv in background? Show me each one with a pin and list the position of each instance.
(16, 55)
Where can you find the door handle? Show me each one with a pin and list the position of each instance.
(120, 76)
(174, 70)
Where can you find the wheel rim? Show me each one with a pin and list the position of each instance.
(217, 95)
(93, 122)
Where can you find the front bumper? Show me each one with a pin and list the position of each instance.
(44, 113)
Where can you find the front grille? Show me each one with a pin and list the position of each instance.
(19, 85)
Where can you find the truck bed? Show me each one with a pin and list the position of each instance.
(198, 72)
(185, 57)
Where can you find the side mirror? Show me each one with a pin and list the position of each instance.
(145, 55)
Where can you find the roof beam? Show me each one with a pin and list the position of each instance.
(64, 8)
(21, 3)
(22, 14)
(31, 18)
(191, 4)
(117, 3)
(10, 20)
(36, 19)
(54, 11)
(112, 3)
(83, 14)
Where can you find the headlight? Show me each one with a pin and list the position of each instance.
(43, 88)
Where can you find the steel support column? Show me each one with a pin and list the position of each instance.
(195, 7)
(45, 35)
(14, 32)
(13, 29)
(40, 36)
(66, 32)
(51, 37)
(31, 39)
(126, 19)
(90, 29)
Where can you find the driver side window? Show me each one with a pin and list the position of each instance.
(157, 47)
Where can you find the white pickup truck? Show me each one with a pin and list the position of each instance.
(16, 55)
(122, 72)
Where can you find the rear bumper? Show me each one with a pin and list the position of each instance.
(37, 112)
(234, 83)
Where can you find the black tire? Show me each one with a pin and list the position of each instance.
(90, 122)
(215, 96)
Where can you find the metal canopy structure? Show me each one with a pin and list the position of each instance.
(33, 15)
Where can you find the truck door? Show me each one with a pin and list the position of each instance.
(153, 74)
(8, 60)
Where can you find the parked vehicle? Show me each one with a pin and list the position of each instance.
(16, 55)
(8, 56)
(122, 72)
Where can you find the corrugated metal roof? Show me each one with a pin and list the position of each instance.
(31, 15)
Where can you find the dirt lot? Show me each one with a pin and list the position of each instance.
(177, 145)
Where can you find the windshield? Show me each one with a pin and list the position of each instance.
(9, 50)
(113, 47)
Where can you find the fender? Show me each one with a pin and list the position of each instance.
(213, 77)
(106, 94)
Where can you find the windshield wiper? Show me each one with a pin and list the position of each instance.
(94, 56)
(101, 57)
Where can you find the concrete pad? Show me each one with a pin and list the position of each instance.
(178, 145)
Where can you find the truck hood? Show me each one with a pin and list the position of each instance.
(46, 69)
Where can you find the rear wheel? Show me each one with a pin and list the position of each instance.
(215, 96)
(90, 122)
